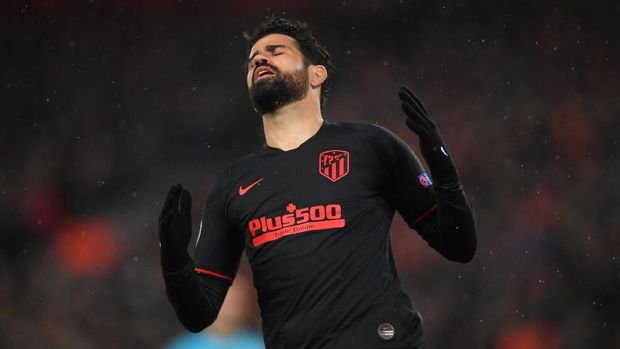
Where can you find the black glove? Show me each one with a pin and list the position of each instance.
(432, 146)
(175, 229)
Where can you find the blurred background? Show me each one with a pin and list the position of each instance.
(105, 104)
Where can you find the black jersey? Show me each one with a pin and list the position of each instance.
(314, 222)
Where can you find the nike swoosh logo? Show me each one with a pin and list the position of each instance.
(443, 151)
(243, 190)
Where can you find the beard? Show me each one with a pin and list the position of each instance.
(273, 93)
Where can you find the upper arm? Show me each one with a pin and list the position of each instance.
(220, 243)
(407, 186)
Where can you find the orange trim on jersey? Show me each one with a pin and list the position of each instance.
(297, 229)
(423, 215)
(212, 273)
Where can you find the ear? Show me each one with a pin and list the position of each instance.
(318, 74)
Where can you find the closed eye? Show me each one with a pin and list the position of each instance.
(275, 50)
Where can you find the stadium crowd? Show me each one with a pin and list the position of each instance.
(104, 105)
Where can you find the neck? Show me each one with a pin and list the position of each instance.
(290, 126)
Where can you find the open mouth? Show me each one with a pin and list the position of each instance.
(262, 72)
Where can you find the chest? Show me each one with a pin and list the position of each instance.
(310, 189)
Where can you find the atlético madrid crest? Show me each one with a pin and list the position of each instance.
(334, 164)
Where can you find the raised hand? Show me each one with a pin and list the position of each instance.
(175, 228)
(432, 146)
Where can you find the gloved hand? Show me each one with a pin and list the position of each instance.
(432, 146)
(175, 228)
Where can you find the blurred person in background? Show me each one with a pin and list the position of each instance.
(317, 240)
(229, 331)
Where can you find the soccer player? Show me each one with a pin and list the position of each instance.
(312, 209)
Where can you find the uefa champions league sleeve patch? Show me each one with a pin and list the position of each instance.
(425, 180)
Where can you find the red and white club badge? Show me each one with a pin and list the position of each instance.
(334, 164)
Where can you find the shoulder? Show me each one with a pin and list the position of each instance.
(375, 135)
(242, 164)
(361, 129)
(233, 173)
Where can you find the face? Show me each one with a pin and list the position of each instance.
(276, 75)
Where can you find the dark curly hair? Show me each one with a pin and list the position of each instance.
(312, 51)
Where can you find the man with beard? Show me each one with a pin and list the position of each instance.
(312, 209)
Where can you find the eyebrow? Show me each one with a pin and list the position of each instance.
(268, 48)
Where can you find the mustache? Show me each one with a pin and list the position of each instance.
(260, 64)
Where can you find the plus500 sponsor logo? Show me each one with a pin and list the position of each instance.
(297, 221)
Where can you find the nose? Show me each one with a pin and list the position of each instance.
(259, 60)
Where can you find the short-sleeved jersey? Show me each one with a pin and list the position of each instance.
(314, 222)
